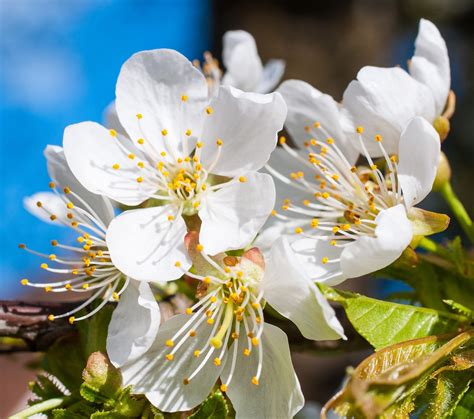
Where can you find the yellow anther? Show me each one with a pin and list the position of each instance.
(139, 116)
(298, 230)
(346, 227)
(255, 341)
(213, 299)
(169, 343)
(317, 125)
(113, 133)
(226, 269)
(285, 207)
(51, 317)
(85, 286)
(164, 132)
(219, 142)
(170, 217)
(70, 215)
(139, 179)
(314, 222)
(189, 311)
(163, 154)
(198, 167)
(393, 158)
(192, 333)
(21, 246)
(282, 140)
(306, 202)
(229, 284)
(378, 138)
(330, 140)
(307, 128)
(335, 177)
(273, 213)
(333, 242)
(373, 166)
(199, 144)
(325, 260)
(246, 352)
(184, 98)
(131, 156)
(216, 342)
(140, 141)
(197, 353)
(235, 335)
(325, 195)
(360, 130)
(177, 264)
(70, 205)
(39, 204)
(75, 272)
(72, 319)
(209, 313)
(52, 217)
(24, 281)
(209, 110)
(188, 132)
(199, 247)
(52, 185)
(116, 296)
(217, 362)
(255, 381)
(116, 166)
(169, 357)
(48, 289)
(206, 280)
(258, 319)
(210, 321)
(196, 204)
(68, 286)
(52, 256)
(223, 388)
(67, 190)
(186, 381)
(335, 229)
(44, 266)
(141, 165)
(80, 239)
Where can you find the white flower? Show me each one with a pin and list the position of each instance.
(87, 267)
(384, 100)
(244, 66)
(192, 155)
(356, 220)
(224, 336)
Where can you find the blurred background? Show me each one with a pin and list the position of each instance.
(59, 61)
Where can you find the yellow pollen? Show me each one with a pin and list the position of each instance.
(186, 381)
(188, 132)
(48, 289)
(217, 362)
(273, 213)
(51, 317)
(195, 204)
(199, 144)
(70, 205)
(255, 381)
(210, 321)
(75, 272)
(282, 140)
(192, 333)
(360, 130)
(314, 222)
(255, 341)
(68, 286)
(67, 190)
(170, 218)
(52, 257)
(317, 125)
(184, 98)
(169, 357)
(298, 230)
(325, 260)
(131, 156)
(235, 335)
(24, 281)
(85, 286)
(163, 154)
(223, 388)
(21, 246)
(116, 166)
(139, 116)
(333, 242)
(206, 280)
(378, 138)
(335, 177)
(177, 264)
(335, 229)
(169, 343)
(72, 319)
(325, 195)
(258, 319)
(188, 311)
(307, 128)
(213, 299)
(330, 140)
(52, 185)
(164, 132)
(246, 352)
(199, 247)
(52, 217)
(44, 266)
(39, 204)
(113, 133)
(197, 353)
(219, 142)
(346, 227)
(141, 165)
(373, 167)
(306, 202)
(139, 179)
(393, 159)
(140, 141)
(209, 110)
(115, 296)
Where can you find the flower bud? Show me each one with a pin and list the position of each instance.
(100, 375)
(443, 173)
(442, 126)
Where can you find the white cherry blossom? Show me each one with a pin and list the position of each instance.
(224, 336)
(189, 155)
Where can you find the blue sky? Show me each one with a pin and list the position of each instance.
(59, 63)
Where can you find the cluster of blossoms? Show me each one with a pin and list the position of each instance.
(183, 158)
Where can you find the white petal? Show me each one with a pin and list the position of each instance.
(91, 153)
(271, 76)
(383, 101)
(145, 245)
(278, 394)
(369, 254)
(51, 204)
(248, 124)
(232, 216)
(290, 291)
(152, 83)
(430, 64)
(310, 254)
(240, 57)
(61, 174)
(111, 119)
(134, 324)
(420, 149)
(307, 105)
(162, 380)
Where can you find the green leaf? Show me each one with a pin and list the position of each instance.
(465, 407)
(383, 323)
(44, 388)
(214, 407)
(463, 310)
(93, 332)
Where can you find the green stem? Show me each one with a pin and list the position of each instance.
(458, 209)
(39, 408)
(430, 246)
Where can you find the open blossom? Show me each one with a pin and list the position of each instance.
(86, 267)
(224, 336)
(187, 154)
(383, 100)
(356, 220)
